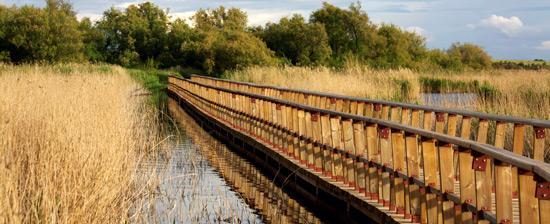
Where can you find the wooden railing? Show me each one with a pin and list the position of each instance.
(408, 169)
(521, 136)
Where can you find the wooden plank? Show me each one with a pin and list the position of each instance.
(359, 139)
(538, 143)
(427, 120)
(336, 141)
(405, 116)
(517, 148)
(503, 176)
(309, 143)
(373, 155)
(528, 206)
(326, 140)
(317, 133)
(467, 182)
(349, 147)
(413, 170)
(484, 180)
(500, 134)
(399, 165)
(430, 178)
(386, 157)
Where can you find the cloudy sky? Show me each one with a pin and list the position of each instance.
(508, 29)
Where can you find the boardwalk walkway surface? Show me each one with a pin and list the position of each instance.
(387, 170)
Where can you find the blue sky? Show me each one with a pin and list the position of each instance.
(507, 29)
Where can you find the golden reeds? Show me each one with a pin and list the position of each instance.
(70, 139)
(518, 93)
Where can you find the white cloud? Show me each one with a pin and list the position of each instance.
(416, 29)
(420, 31)
(545, 45)
(509, 26)
(186, 16)
(126, 4)
(94, 17)
(262, 16)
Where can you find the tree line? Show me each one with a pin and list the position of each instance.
(220, 40)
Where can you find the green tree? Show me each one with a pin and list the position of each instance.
(221, 42)
(297, 41)
(396, 48)
(220, 19)
(179, 42)
(349, 31)
(470, 55)
(134, 36)
(42, 34)
(92, 39)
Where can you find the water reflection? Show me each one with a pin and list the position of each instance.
(205, 182)
(455, 100)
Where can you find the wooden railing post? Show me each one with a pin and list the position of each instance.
(528, 203)
(359, 138)
(413, 171)
(399, 165)
(349, 147)
(503, 196)
(335, 128)
(317, 134)
(429, 154)
(373, 156)
(327, 141)
(386, 157)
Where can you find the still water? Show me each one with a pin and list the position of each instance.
(203, 181)
(455, 100)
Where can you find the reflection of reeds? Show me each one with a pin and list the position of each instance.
(257, 190)
(70, 139)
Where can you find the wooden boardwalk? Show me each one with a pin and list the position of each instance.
(388, 171)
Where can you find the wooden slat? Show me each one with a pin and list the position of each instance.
(430, 178)
(349, 146)
(503, 176)
(374, 156)
(336, 141)
(386, 157)
(528, 206)
(399, 165)
(359, 139)
(326, 140)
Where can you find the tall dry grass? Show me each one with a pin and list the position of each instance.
(519, 93)
(70, 139)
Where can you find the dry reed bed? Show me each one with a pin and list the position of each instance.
(520, 93)
(69, 144)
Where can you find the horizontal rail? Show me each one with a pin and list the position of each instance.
(486, 116)
(390, 152)
(487, 128)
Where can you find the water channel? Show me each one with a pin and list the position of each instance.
(203, 181)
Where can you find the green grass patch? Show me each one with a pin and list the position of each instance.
(156, 81)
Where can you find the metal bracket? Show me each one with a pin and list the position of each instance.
(543, 191)
(385, 133)
(440, 117)
(332, 100)
(540, 133)
(377, 107)
(278, 106)
(314, 117)
(480, 163)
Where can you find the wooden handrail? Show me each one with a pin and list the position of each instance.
(413, 167)
(445, 119)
